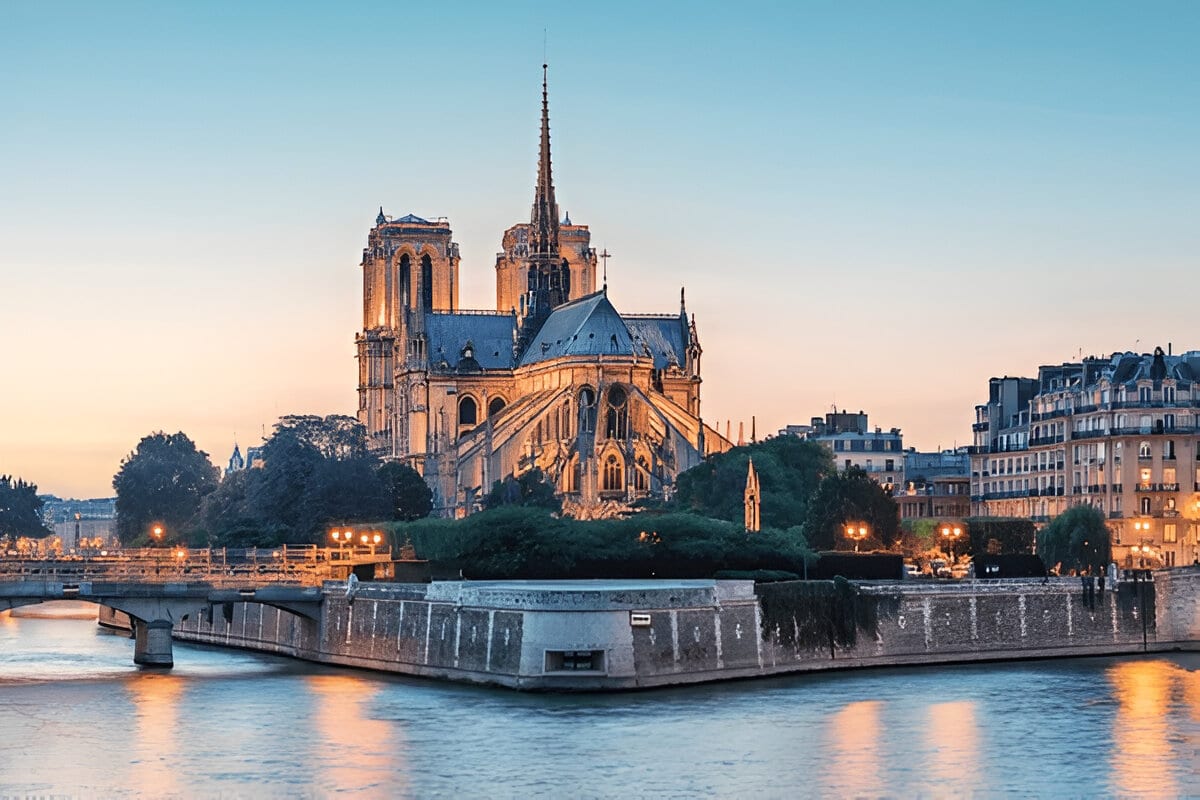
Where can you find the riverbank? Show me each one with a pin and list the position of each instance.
(612, 635)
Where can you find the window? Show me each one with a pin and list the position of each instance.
(613, 478)
(1169, 449)
(1144, 450)
(1168, 394)
(468, 412)
(1170, 536)
(890, 464)
(495, 405)
(1145, 501)
(616, 424)
(1143, 394)
(587, 410)
(426, 283)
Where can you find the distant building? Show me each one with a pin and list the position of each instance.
(850, 439)
(236, 462)
(74, 520)
(252, 460)
(937, 485)
(1117, 433)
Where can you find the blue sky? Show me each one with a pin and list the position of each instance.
(874, 205)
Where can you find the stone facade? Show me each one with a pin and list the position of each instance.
(1118, 433)
(583, 635)
(606, 405)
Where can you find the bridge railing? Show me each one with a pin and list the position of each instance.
(302, 564)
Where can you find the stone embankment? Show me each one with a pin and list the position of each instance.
(592, 635)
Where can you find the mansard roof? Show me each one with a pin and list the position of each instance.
(589, 326)
(490, 334)
(663, 338)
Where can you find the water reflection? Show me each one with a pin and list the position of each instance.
(1144, 755)
(358, 753)
(156, 699)
(854, 758)
(953, 739)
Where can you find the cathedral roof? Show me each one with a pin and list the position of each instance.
(491, 337)
(589, 326)
(662, 338)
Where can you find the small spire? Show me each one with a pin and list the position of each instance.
(381, 218)
(682, 303)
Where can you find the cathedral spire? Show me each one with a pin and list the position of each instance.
(544, 219)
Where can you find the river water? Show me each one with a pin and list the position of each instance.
(79, 720)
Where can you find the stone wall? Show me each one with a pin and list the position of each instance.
(615, 635)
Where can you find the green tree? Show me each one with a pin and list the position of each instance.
(20, 509)
(317, 472)
(850, 496)
(531, 490)
(162, 481)
(789, 471)
(1077, 539)
(408, 495)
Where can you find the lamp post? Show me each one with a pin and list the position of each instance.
(1141, 529)
(340, 538)
(157, 534)
(856, 532)
(376, 538)
(951, 534)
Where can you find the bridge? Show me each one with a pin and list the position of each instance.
(159, 587)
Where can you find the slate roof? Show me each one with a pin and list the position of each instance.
(491, 335)
(589, 326)
(664, 338)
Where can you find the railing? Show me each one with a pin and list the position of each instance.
(305, 565)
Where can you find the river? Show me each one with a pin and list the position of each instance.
(79, 720)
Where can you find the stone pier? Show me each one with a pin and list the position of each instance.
(152, 644)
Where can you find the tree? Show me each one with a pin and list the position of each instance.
(1077, 539)
(845, 497)
(162, 481)
(20, 509)
(408, 494)
(789, 471)
(531, 490)
(317, 472)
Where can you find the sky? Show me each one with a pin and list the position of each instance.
(872, 205)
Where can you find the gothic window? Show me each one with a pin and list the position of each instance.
(566, 279)
(467, 412)
(566, 418)
(495, 406)
(640, 474)
(587, 410)
(614, 480)
(426, 283)
(617, 421)
(405, 281)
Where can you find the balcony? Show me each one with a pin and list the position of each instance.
(1088, 434)
(1116, 514)
(1158, 487)
(1041, 441)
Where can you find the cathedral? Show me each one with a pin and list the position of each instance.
(606, 405)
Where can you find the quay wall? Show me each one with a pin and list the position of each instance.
(584, 635)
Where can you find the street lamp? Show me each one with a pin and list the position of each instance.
(951, 534)
(376, 538)
(340, 537)
(857, 531)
